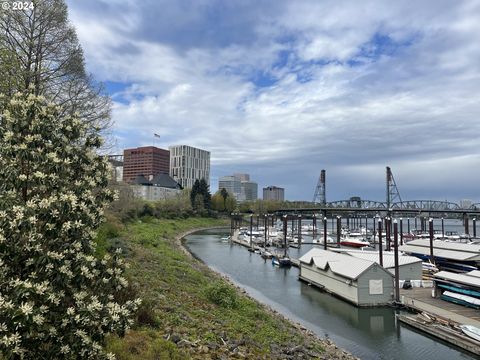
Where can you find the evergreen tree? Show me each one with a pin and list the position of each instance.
(204, 189)
(224, 194)
(57, 300)
(194, 192)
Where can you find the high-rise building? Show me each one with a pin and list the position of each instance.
(249, 190)
(188, 164)
(147, 161)
(240, 186)
(231, 184)
(274, 193)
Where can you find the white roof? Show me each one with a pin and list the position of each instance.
(448, 245)
(388, 259)
(447, 254)
(340, 264)
(475, 273)
(460, 278)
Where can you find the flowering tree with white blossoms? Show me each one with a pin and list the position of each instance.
(57, 300)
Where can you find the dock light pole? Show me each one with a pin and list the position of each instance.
(380, 248)
(285, 219)
(474, 224)
(430, 230)
(397, 272)
(251, 229)
(339, 229)
(401, 231)
(443, 230)
(325, 233)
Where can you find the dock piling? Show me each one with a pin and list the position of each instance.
(380, 246)
(397, 272)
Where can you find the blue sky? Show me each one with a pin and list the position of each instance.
(283, 89)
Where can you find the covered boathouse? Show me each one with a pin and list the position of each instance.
(361, 282)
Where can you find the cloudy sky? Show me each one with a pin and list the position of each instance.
(283, 89)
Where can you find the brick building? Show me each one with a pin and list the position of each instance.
(148, 161)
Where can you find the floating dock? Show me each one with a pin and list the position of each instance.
(446, 332)
(440, 318)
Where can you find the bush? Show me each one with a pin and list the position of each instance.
(223, 295)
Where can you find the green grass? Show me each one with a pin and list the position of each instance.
(181, 296)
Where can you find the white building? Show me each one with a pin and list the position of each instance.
(361, 282)
(188, 164)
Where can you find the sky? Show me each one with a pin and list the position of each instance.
(282, 89)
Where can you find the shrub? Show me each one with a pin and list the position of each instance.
(222, 294)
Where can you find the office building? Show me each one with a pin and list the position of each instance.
(248, 190)
(231, 184)
(148, 161)
(240, 186)
(188, 164)
(274, 193)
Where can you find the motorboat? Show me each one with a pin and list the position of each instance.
(354, 242)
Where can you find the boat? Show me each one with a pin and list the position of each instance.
(464, 300)
(354, 242)
(266, 254)
(470, 330)
(281, 261)
(225, 238)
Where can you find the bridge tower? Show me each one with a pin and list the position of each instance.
(319, 196)
(392, 190)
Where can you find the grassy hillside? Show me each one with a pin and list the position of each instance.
(189, 311)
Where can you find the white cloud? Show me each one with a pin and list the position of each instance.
(411, 94)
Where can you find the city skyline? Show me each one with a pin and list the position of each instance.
(282, 90)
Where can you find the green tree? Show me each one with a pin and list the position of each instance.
(204, 189)
(194, 192)
(57, 300)
(224, 194)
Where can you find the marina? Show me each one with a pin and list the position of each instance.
(376, 334)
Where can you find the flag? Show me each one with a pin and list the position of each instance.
(156, 135)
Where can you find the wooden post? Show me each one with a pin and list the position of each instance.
(388, 232)
(251, 229)
(314, 224)
(474, 224)
(430, 223)
(339, 229)
(408, 225)
(397, 272)
(325, 232)
(285, 235)
(299, 230)
(467, 227)
(443, 229)
(374, 231)
(266, 230)
(380, 248)
(401, 231)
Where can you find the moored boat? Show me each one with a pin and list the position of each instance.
(470, 330)
(354, 242)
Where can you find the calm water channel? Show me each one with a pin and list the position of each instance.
(366, 333)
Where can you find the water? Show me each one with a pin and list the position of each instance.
(367, 333)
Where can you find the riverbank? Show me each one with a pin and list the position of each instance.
(189, 311)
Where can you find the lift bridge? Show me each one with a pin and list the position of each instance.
(393, 201)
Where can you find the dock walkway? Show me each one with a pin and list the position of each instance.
(420, 299)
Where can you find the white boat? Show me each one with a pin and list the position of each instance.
(470, 330)
(354, 242)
